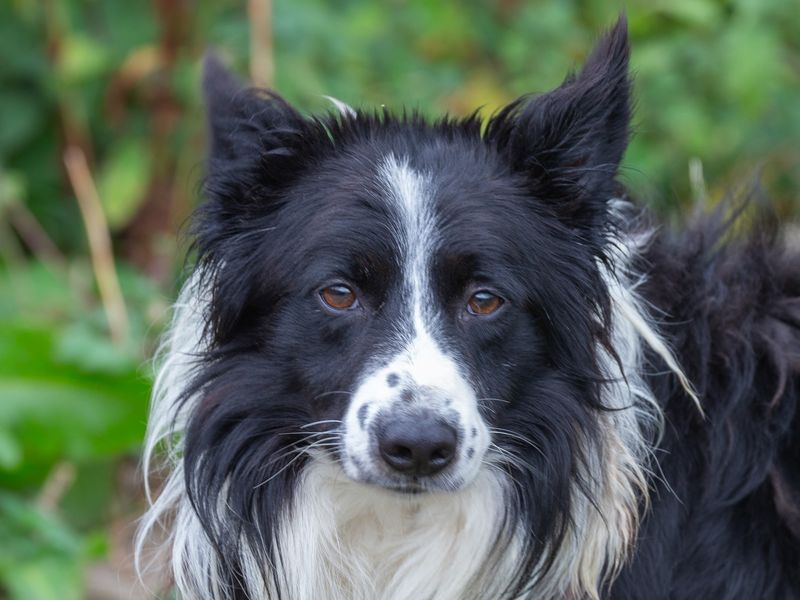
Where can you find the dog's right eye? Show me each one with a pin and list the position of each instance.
(339, 297)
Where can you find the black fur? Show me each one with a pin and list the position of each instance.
(293, 201)
(726, 525)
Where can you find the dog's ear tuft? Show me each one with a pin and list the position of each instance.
(569, 142)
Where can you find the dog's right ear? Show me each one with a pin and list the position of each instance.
(244, 122)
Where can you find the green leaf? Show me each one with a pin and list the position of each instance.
(12, 189)
(55, 411)
(10, 451)
(48, 578)
(123, 180)
(40, 557)
(82, 58)
(24, 117)
(64, 417)
(693, 12)
(86, 344)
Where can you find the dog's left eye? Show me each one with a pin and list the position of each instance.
(483, 303)
(339, 297)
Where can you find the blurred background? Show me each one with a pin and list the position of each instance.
(101, 150)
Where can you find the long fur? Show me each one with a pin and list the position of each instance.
(638, 392)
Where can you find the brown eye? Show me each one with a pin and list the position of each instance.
(339, 297)
(484, 303)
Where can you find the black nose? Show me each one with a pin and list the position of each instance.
(417, 444)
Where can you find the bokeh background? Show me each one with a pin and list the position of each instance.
(101, 151)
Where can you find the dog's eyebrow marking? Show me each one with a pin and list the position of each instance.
(474, 432)
(470, 452)
(392, 379)
(362, 414)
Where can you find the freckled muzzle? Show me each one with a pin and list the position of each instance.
(404, 436)
(414, 424)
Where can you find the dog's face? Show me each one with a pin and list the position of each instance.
(403, 316)
(387, 288)
(413, 302)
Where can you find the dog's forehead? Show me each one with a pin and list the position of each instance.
(369, 203)
(454, 178)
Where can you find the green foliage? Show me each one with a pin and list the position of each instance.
(123, 181)
(41, 557)
(716, 81)
(68, 392)
(69, 397)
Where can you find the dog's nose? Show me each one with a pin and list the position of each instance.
(417, 444)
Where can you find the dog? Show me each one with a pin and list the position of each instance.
(453, 360)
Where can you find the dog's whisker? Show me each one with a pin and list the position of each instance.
(297, 447)
(299, 454)
(488, 399)
(515, 436)
(324, 422)
(304, 435)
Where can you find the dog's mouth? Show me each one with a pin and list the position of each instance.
(407, 485)
(406, 489)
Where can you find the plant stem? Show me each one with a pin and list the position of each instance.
(99, 243)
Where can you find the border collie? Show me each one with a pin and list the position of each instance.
(450, 360)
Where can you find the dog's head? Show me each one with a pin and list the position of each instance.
(414, 303)
(405, 286)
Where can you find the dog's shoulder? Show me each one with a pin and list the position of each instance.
(725, 292)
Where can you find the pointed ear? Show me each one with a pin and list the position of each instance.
(257, 148)
(240, 117)
(569, 142)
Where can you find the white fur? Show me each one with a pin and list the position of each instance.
(355, 542)
(347, 540)
(344, 109)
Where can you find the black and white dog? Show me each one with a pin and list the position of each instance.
(448, 360)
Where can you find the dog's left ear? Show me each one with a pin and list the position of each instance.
(569, 142)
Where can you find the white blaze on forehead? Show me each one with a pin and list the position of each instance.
(416, 234)
(422, 359)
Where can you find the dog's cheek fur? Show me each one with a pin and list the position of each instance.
(241, 467)
(547, 491)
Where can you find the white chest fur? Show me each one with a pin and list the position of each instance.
(352, 541)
